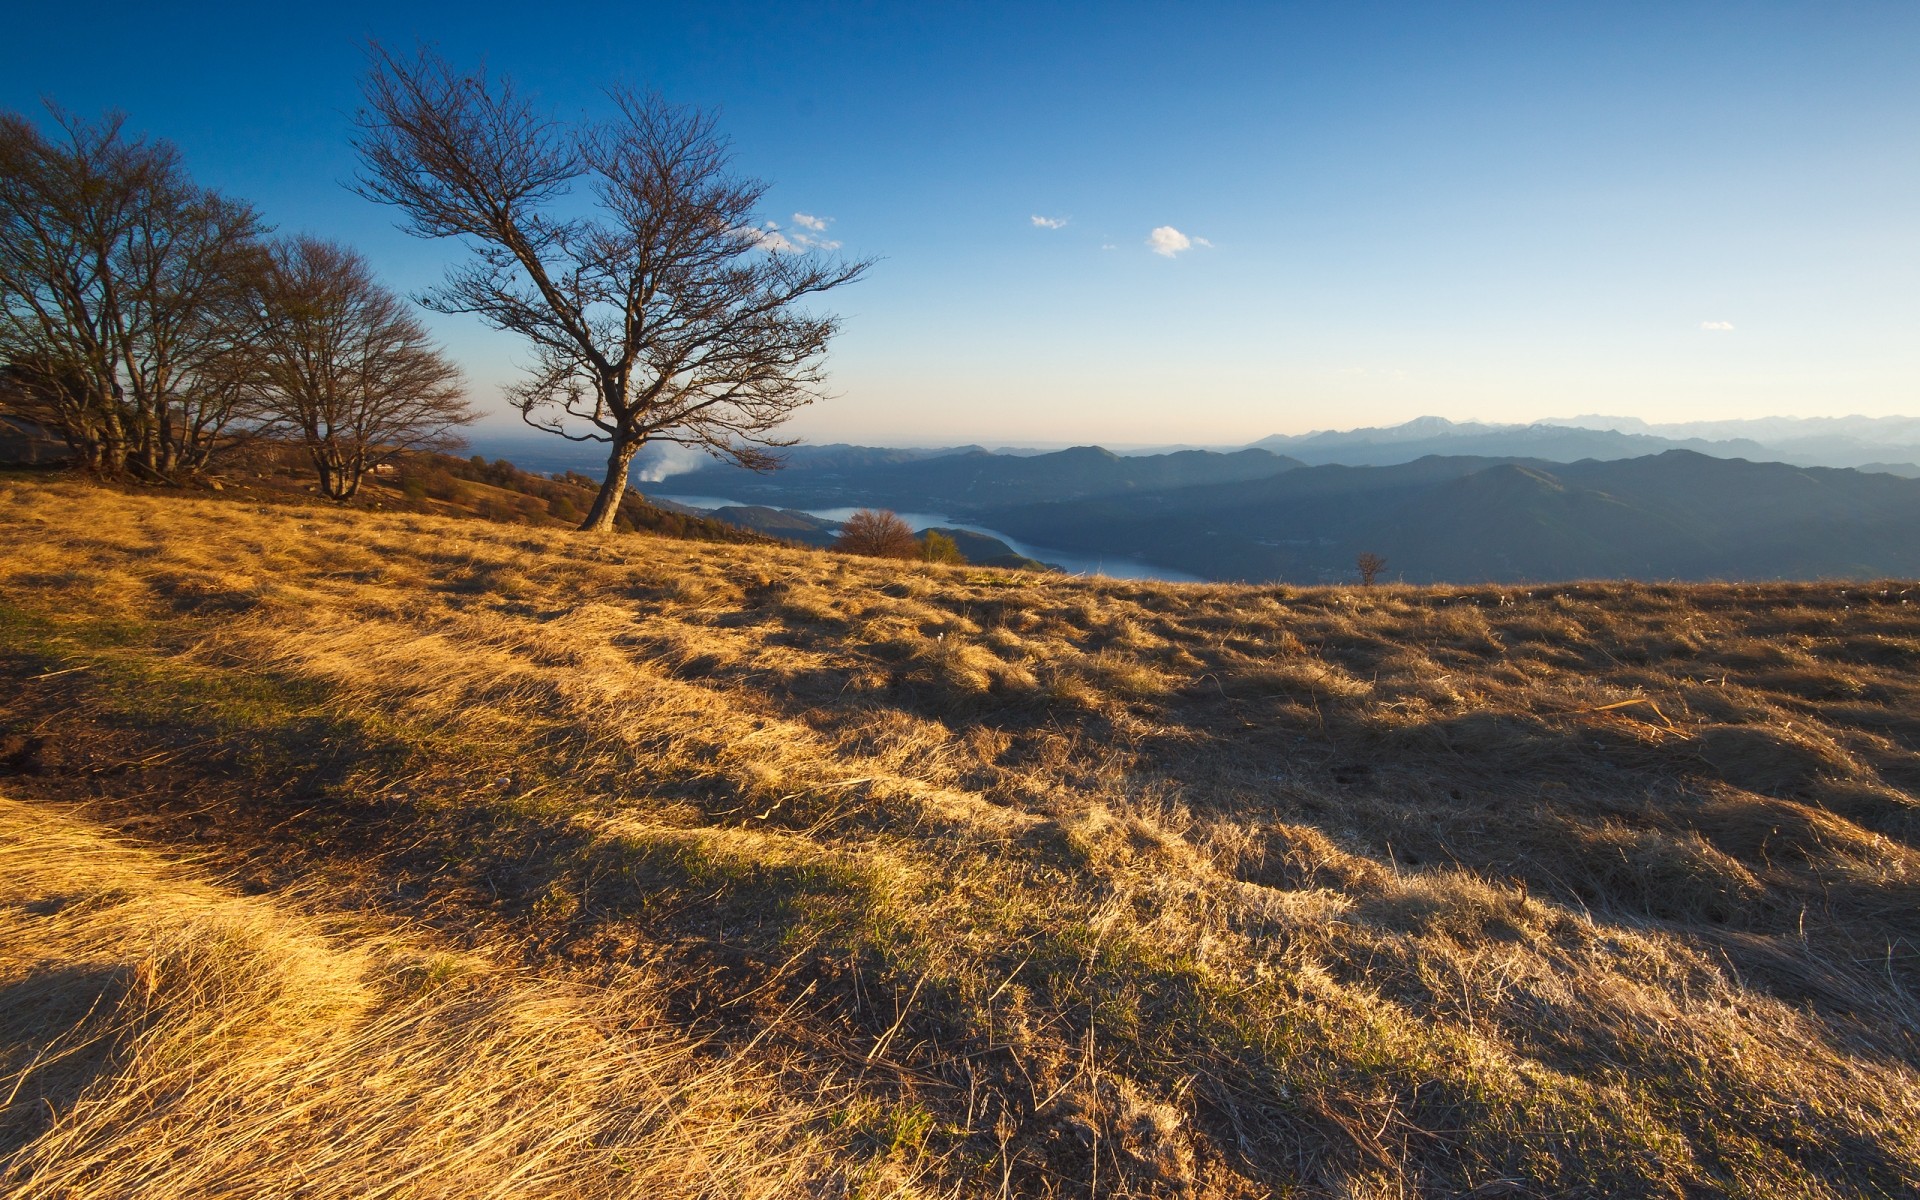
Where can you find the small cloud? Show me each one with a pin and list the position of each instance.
(766, 237)
(769, 237)
(1717, 326)
(1040, 222)
(1166, 241)
(1108, 246)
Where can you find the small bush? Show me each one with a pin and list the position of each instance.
(938, 547)
(877, 533)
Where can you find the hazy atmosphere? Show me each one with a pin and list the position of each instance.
(1155, 224)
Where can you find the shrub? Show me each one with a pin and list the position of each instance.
(877, 533)
(938, 547)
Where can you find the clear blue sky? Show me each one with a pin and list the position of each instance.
(1502, 211)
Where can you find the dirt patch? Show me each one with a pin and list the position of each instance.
(22, 754)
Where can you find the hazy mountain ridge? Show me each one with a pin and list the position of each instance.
(1677, 515)
(1435, 435)
(976, 480)
(1557, 501)
(1805, 441)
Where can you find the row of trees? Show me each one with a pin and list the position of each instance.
(146, 319)
(149, 321)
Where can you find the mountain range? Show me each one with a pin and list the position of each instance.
(1891, 444)
(976, 479)
(1437, 435)
(1678, 515)
(1259, 516)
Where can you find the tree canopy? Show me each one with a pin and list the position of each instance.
(660, 310)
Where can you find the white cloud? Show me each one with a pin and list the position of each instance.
(1040, 222)
(1108, 246)
(767, 237)
(1717, 326)
(770, 238)
(1166, 241)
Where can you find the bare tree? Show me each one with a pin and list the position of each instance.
(343, 361)
(877, 533)
(124, 294)
(662, 312)
(1369, 565)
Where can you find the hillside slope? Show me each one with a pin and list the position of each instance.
(947, 881)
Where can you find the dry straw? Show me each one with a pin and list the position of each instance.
(655, 868)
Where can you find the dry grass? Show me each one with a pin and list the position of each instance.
(965, 881)
(163, 1036)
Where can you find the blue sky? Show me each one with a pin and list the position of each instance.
(1498, 211)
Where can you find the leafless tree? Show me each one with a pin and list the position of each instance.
(662, 311)
(344, 362)
(877, 533)
(124, 293)
(1369, 565)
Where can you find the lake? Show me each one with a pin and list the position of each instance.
(1075, 563)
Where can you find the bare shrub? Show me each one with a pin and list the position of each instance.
(877, 533)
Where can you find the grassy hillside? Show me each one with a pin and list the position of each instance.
(362, 853)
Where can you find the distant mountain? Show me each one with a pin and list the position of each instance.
(1677, 515)
(1437, 435)
(839, 456)
(1852, 441)
(1884, 430)
(967, 482)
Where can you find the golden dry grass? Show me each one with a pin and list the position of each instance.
(163, 1036)
(1001, 884)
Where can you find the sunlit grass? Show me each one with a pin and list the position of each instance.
(982, 882)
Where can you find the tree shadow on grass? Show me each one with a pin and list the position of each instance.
(58, 1034)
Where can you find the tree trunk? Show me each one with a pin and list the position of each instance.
(339, 483)
(606, 505)
(338, 480)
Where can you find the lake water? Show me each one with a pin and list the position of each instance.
(1068, 560)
